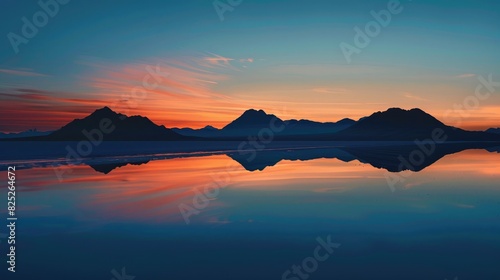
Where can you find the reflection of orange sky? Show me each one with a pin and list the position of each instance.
(470, 162)
(154, 191)
(457, 168)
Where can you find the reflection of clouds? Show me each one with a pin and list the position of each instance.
(331, 190)
(304, 173)
(218, 220)
(412, 185)
(152, 192)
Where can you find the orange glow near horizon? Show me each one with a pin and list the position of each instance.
(196, 92)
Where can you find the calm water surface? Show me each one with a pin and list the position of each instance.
(442, 222)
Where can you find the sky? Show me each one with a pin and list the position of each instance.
(202, 62)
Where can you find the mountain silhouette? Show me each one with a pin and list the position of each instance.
(250, 123)
(493, 130)
(395, 124)
(307, 127)
(406, 125)
(254, 122)
(264, 159)
(113, 127)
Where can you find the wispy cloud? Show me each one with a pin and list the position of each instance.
(184, 94)
(327, 90)
(187, 96)
(43, 110)
(249, 60)
(467, 75)
(21, 72)
(216, 59)
(414, 97)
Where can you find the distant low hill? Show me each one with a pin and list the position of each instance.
(27, 133)
(207, 131)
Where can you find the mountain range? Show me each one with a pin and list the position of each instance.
(252, 122)
(394, 124)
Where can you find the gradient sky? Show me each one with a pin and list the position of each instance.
(280, 56)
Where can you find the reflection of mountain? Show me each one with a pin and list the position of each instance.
(112, 126)
(260, 160)
(394, 158)
(494, 149)
(409, 157)
(108, 167)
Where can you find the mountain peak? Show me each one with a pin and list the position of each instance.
(401, 110)
(254, 112)
(401, 117)
(252, 118)
(104, 110)
(253, 115)
(209, 127)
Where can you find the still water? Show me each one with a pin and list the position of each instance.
(442, 222)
